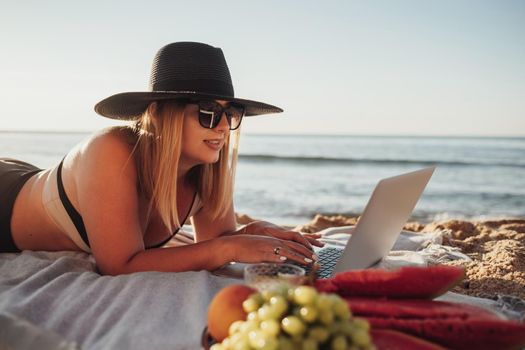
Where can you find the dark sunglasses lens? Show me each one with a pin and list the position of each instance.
(206, 119)
(234, 114)
(210, 114)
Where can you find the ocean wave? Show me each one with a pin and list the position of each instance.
(344, 161)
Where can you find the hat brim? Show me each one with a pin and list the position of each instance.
(131, 105)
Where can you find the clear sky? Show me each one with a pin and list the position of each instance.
(442, 67)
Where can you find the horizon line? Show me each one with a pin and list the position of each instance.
(49, 131)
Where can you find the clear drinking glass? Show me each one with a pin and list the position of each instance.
(266, 276)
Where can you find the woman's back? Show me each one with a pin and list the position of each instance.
(36, 223)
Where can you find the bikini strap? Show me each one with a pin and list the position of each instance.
(71, 211)
(158, 245)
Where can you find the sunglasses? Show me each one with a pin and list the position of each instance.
(211, 112)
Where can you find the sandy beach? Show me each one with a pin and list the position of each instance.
(496, 247)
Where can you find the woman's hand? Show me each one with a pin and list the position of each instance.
(264, 228)
(265, 248)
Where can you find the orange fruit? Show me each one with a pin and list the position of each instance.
(226, 308)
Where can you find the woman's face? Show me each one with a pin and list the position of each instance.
(201, 145)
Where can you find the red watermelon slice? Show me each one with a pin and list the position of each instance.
(405, 282)
(385, 339)
(480, 334)
(326, 285)
(415, 308)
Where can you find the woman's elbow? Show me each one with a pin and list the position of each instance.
(112, 270)
(115, 268)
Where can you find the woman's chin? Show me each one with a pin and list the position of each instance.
(210, 160)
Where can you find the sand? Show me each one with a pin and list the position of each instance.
(497, 250)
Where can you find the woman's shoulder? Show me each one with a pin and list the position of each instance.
(108, 140)
(124, 134)
(106, 148)
(102, 156)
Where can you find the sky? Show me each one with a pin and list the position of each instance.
(392, 67)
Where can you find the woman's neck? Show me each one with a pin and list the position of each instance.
(187, 177)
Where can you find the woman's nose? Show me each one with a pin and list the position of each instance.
(223, 125)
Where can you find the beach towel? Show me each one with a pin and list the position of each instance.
(61, 294)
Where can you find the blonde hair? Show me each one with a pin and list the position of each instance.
(157, 153)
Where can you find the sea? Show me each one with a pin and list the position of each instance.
(288, 179)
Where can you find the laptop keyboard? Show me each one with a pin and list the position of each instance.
(328, 257)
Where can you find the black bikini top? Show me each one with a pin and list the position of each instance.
(79, 223)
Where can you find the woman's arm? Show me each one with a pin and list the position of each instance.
(106, 186)
(269, 229)
(108, 201)
(213, 253)
(106, 181)
(252, 243)
(205, 228)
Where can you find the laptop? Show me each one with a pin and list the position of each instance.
(378, 228)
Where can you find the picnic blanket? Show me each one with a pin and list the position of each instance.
(62, 293)
(57, 300)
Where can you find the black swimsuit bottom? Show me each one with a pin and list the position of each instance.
(13, 175)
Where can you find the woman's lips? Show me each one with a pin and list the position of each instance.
(214, 144)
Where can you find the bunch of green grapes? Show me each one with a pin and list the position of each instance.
(297, 318)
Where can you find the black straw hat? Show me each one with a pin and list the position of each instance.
(182, 70)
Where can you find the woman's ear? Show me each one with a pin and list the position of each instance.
(153, 112)
(152, 108)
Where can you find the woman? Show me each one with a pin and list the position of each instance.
(125, 191)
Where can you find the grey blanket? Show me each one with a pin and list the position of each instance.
(57, 300)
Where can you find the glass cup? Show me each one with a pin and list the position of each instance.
(265, 276)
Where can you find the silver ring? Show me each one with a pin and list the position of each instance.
(276, 250)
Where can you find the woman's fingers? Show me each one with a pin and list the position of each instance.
(293, 236)
(288, 255)
(296, 247)
(307, 240)
(298, 253)
(255, 248)
(299, 238)
(287, 251)
(312, 235)
(278, 254)
(314, 239)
